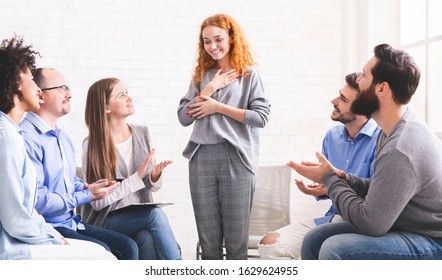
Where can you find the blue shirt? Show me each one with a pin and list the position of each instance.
(20, 224)
(354, 156)
(60, 191)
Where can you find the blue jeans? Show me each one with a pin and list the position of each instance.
(150, 228)
(123, 247)
(338, 241)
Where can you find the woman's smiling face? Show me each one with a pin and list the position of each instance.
(216, 42)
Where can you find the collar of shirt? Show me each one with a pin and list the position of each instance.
(369, 129)
(40, 124)
(10, 122)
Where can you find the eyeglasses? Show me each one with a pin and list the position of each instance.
(65, 88)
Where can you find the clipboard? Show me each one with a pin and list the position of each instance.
(142, 204)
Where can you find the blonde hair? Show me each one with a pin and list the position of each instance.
(240, 55)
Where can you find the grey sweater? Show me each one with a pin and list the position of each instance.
(141, 147)
(405, 192)
(246, 93)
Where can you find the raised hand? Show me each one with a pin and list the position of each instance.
(142, 170)
(313, 171)
(155, 173)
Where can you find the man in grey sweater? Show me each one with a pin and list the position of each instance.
(397, 214)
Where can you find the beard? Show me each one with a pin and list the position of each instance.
(66, 107)
(343, 118)
(366, 103)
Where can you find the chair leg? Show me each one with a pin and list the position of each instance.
(198, 251)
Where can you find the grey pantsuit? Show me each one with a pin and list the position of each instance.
(222, 188)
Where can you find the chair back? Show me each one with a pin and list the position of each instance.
(79, 172)
(271, 200)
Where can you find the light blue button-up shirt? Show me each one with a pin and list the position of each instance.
(20, 224)
(60, 191)
(355, 156)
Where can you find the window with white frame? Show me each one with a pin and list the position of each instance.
(420, 34)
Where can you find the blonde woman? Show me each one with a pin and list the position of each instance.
(118, 150)
(226, 104)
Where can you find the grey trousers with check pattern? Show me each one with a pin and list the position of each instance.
(222, 189)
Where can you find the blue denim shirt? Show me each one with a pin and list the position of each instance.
(58, 195)
(20, 224)
(354, 156)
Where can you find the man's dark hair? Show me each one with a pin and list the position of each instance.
(350, 79)
(398, 69)
(14, 59)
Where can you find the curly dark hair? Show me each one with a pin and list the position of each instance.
(14, 59)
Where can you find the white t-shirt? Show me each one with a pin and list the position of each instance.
(125, 150)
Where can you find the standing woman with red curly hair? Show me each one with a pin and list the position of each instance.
(227, 105)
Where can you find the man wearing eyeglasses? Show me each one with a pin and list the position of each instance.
(60, 191)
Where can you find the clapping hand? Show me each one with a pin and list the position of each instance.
(313, 189)
(158, 169)
(101, 188)
(312, 170)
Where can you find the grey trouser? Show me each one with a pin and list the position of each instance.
(222, 188)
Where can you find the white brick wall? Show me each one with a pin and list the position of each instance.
(150, 45)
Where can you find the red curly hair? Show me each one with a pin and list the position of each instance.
(240, 55)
